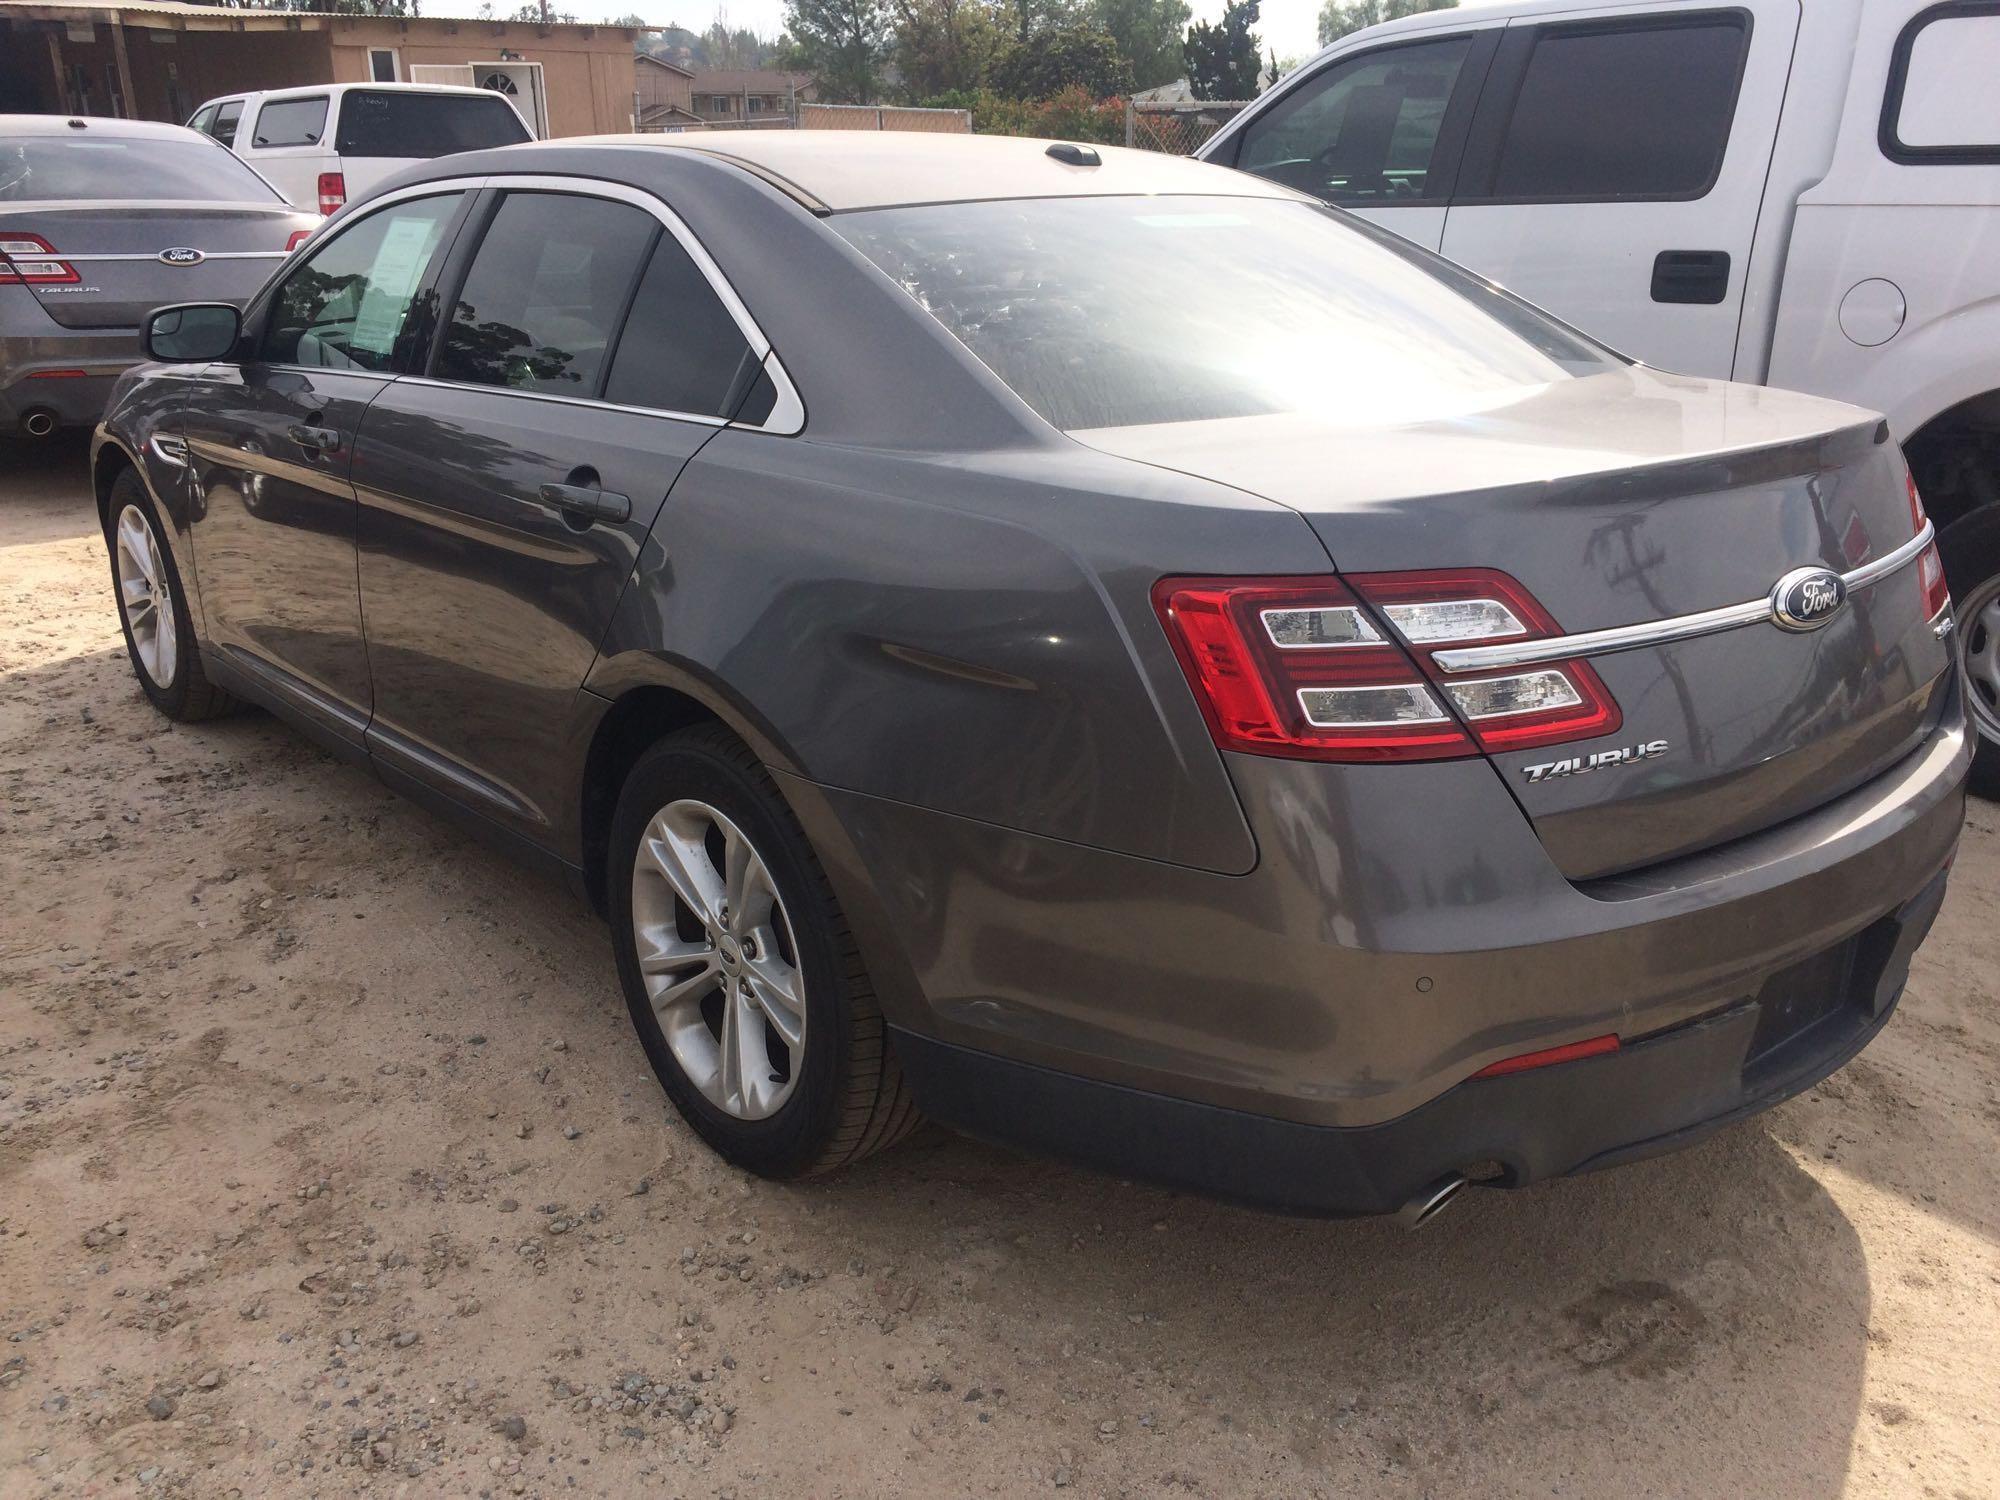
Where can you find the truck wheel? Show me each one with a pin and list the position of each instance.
(1970, 547)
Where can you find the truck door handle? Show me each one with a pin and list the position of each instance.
(318, 439)
(585, 503)
(1699, 276)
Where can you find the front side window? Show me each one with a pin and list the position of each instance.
(1631, 111)
(354, 298)
(226, 118)
(1114, 312)
(1941, 104)
(79, 166)
(544, 294)
(203, 118)
(1364, 130)
(291, 122)
(681, 351)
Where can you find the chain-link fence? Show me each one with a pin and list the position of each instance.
(1179, 129)
(884, 117)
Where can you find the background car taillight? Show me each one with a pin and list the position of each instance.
(1330, 669)
(1930, 567)
(31, 259)
(332, 191)
(297, 238)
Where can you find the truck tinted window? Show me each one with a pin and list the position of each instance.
(1362, 131)
(424, 125)
(1941, 104)
(1635, 110)
(291, 122)
(77, 166)
(224, 129)
(681, 350)
(544, 292)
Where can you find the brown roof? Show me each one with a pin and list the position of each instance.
(749, 81)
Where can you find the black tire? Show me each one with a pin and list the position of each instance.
(1970, 548)
(850, 1099)
(188, 695)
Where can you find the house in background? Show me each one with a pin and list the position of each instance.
(159, 59)
(734, 95)
(665, 93)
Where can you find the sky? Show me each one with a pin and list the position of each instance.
(1289, 26)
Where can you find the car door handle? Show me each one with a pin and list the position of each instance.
(587, 503)
(1697, 276)
(319, 439)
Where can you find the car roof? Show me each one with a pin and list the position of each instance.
(837, 170)
(101, 125)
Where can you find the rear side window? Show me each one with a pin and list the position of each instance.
(1625, 111)
(291, 122)
(424, 125)
(1941, 104)
(1363, 131)
(350, 302)
(78, 165)
(681, 350)
(226, 118)
(545, 293)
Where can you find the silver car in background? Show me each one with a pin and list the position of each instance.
(100, 222)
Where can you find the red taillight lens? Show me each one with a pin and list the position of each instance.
(332, 191)
(298, 238)
(1930, 567)
(1296, 667)
(31, 260)
(1596, 1046)
(1330, 669)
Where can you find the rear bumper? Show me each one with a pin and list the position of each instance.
(36, 373)
(1653, 1095)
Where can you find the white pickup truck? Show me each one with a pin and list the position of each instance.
(1794, 194)
(325, 143)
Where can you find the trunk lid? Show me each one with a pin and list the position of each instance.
(1625, 498)
(116, 248)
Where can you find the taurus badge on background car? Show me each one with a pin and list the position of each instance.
(1078, 644)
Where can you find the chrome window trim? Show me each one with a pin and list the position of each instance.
(560, 400)
(788, 413)
(1662, 632)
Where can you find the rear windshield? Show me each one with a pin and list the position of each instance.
(425, 125)
(76, 167)
(1115, 312)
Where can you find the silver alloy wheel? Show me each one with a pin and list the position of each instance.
(718, 958)
(146, 596)
(1979, 654)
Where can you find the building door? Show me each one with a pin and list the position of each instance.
(522, 83)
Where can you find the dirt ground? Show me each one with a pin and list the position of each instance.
(329, 1166)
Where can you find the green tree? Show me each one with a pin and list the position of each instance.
(1148, 33)
(1222, 58)
(1064, 56)
(841, 43)
(1336, 19)
(946, 46)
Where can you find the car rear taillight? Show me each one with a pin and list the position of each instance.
(30, 259)
(1930, 567)
(1328, 669)
(332, 191)
(298, 237)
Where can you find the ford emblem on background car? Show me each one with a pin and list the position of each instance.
(1806, 598)
(182, 255)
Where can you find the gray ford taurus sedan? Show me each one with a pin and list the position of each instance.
(100, 222)
(1088, 646)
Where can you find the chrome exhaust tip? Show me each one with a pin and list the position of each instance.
(38, 423)
(1427, 1204)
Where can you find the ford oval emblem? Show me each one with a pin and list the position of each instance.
(182, 255)
(1806, 598)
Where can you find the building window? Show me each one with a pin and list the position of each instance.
(382, 64)
(113, 92)
(722, 104)
(757, 105)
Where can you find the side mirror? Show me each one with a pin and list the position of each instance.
(193, 332)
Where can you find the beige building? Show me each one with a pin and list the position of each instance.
(665, 93)
(159, 60)
(735, 94)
